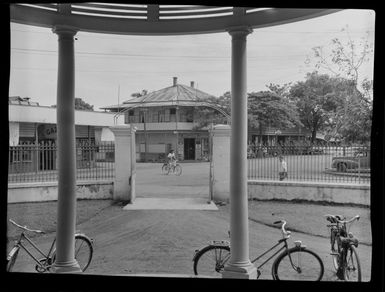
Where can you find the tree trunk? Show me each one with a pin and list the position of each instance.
(313, 136)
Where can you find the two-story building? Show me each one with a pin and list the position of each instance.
(169, 119)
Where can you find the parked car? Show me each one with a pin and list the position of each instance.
(360, 160)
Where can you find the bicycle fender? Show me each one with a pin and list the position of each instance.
(219, 243)
(299, 245)
(82, 234)
(14, 250)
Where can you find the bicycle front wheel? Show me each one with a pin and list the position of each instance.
(165, 169)
(11, 258)
(210, 261)
(178, 169)
(83, 251)
(352, 266)
(298, 264)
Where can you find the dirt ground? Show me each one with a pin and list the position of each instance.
(158, 241)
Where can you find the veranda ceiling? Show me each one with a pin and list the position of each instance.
(146, 19)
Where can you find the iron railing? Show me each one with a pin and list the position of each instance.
(313, 163)
(38, 162)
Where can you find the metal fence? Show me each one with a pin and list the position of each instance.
(38, 162)
(345, 164)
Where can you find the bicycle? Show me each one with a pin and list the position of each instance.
(83, 251)
(343, 246)
(168, 167)
(296, 263)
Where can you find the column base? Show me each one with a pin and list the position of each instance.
(248, 271)
(70, 267)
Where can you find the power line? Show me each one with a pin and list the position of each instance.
(102, 54)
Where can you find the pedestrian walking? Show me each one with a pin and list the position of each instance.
(282, 168)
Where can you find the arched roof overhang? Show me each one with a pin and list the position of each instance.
(156, 19)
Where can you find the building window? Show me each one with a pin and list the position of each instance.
(172, 114)
(141, 117)
(167, 115)
(189, 116)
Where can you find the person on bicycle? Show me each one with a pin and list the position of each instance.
(171, 158)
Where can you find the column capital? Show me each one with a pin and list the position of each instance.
(239, 31)
(65, 30)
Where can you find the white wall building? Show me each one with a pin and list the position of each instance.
(30, 122)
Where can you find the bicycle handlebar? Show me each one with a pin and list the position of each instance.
(336, 218)
(25, 227)
(285, 233)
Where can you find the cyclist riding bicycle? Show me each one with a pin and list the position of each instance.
(171, 158)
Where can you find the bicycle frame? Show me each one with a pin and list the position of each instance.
(284, 247)
(19, 243)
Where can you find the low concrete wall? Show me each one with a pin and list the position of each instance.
(310, 191)
(38, 192)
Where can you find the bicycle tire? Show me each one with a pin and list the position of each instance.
(334, 252)
(83, 251)
(352, 267)
(282, 268)
(165, 169)
(210, 260)
(11, 259)
(178, 170)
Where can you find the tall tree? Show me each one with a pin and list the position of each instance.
(205, 116)
(139, 94)
(346, 59)
(80, 104)
(268, 109)
(281, 90)
(318, 99)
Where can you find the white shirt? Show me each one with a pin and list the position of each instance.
(283, 166)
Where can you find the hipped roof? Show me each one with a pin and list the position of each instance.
(179, 94)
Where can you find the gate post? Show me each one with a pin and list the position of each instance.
(124, 163)
(220, 163)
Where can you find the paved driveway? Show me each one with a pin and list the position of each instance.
(192, 183)
(159, 241)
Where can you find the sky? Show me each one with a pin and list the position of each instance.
(109, 68)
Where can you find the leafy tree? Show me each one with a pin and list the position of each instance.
(139, 94)
(346, 59)
(356, 123)
(318, 99)
(205, 116)
(268, 109)
(80, 104)
(281, 90)
(355, 116)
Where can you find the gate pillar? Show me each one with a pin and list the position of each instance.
(220, 163)
(125, 160)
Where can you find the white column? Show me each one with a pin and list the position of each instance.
(123, 164)
(66, 156)
(239, 265)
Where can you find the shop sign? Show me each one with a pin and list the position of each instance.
(47, 131)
